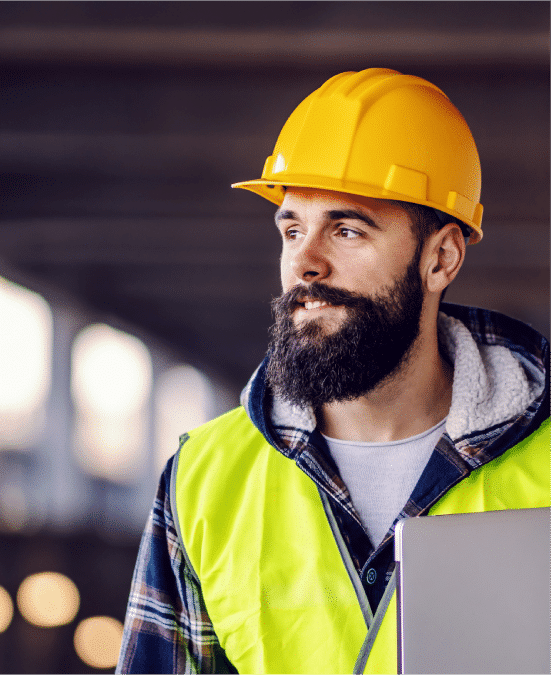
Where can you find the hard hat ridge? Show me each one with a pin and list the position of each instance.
(378, 133)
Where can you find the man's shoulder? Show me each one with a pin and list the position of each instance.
(237, 417)
(221, 441)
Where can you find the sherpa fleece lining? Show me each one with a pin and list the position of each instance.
(490, 385)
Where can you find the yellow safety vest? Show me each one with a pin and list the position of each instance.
(255, 532)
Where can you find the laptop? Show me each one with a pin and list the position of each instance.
(473, 592)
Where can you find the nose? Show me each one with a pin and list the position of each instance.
(309, 261)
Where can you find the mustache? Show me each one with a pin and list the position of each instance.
(289, 301)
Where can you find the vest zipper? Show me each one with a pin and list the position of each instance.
(347, 560)
(373, 623)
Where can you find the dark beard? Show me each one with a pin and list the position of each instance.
(306, 366)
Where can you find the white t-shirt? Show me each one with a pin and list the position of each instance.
(381, 476)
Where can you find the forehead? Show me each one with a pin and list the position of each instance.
(313, 202)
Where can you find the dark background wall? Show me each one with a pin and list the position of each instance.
(121, 128)
(123, 125)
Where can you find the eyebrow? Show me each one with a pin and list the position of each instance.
(351, 214)
(284, 214)
(340, 214)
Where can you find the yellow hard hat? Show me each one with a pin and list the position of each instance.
(378, 133)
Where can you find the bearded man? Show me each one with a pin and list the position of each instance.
(270, 546)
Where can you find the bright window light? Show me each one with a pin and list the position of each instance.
(110, 383)
(25, 364)
(183, 401)
(112, 371)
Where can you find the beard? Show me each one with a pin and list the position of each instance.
(308, 366)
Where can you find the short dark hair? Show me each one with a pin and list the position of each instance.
(425, 220)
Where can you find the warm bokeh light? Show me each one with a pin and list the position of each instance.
(110, 382)
(48, 599)
(25, 363)
(6, 609)
(98, 641)
(183, 400)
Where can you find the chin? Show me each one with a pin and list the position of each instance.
(329, 322)
(319, 325)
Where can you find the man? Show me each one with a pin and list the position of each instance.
(270, 545)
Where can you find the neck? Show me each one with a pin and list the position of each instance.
(414, 399)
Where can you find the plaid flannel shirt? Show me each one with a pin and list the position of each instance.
(167, 628)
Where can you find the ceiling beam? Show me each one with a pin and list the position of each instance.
(261, 48)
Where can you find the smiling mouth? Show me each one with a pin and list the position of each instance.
(314, 304)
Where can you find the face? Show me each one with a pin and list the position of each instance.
(352, 300)
(359, 244)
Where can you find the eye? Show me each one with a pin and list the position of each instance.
(292, 233)
(348, 233)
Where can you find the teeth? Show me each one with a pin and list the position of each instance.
(315, 304)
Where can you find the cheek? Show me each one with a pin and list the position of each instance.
(367, 280)
(285, 272)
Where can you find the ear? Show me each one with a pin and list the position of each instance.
(443, 255)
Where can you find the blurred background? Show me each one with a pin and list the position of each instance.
(135, 284)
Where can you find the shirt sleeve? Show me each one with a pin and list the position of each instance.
(167, 627)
